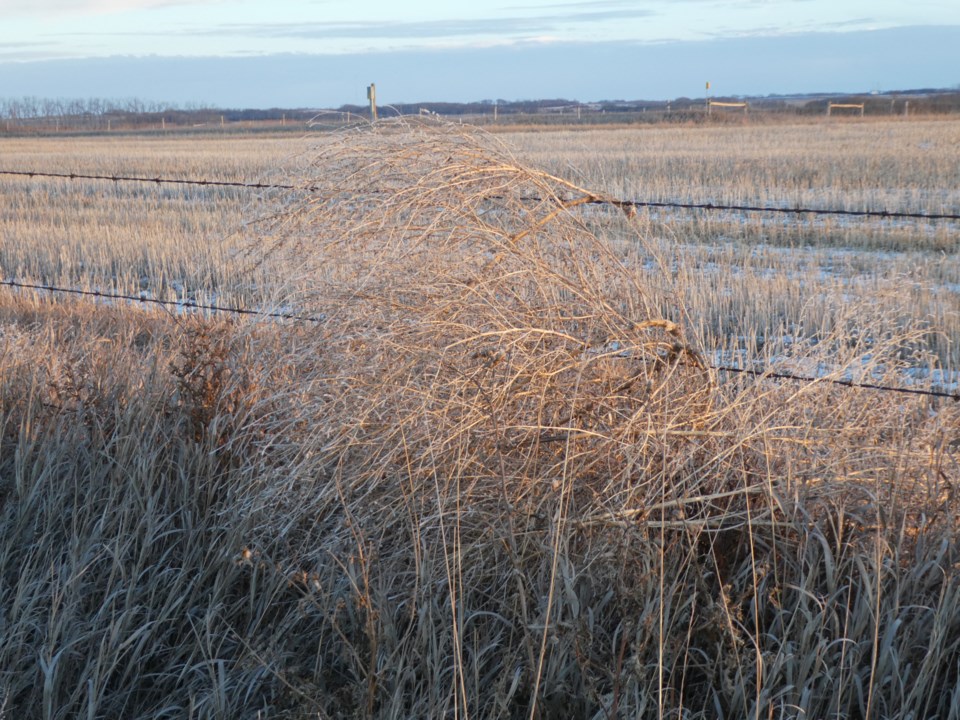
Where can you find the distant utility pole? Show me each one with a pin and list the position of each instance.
(708, 97)
(372, 97)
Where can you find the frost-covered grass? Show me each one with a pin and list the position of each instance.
(748, 274)
(744, 274)
(173, 241)
(496, 481)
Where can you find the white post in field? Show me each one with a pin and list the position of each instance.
(372, 97)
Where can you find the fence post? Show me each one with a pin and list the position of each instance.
(372, 97)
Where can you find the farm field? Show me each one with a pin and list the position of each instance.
(740, 272)
(499, 471)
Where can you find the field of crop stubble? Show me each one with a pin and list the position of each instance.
(498, 478)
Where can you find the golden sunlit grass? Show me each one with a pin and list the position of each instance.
(496, 480)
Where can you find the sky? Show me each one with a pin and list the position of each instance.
(323, 53)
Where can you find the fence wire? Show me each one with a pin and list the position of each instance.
(626, 205)
(190, 305)
(153, 180)
(179, 304)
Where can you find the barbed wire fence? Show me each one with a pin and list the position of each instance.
(189, 305)
(598, 200)
(153, 180)
(626, 205)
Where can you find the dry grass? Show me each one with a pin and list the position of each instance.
(465, 283)
(894, 164)
(749, 276)
(171, 241)
(740, 277)
(497, 481)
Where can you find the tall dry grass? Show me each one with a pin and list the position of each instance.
(497, 481)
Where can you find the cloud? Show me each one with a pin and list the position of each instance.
(813, 62)
(27, 51)
(632, 4)
(398, 30)
(23, 45)
(48, 8)
(773, 31)
(23, 56)
(591, 4)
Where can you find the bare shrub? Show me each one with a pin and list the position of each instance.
(476, 328)
(501, 405)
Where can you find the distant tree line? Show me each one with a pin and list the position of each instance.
(919, 101)
(32, 108)
(100, 114)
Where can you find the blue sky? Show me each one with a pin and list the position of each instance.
(253, 53)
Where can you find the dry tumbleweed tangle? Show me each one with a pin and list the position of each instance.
(479, 333)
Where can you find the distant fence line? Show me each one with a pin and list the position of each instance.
(40, 116)
(711, 104)
(845, 106)
(623, 204)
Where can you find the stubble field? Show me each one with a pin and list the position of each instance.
(499, 472)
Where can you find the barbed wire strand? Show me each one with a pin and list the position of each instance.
(889, 214)
(769, 374)
(153, 180)
(183, 304)
(622, 204)
(186, 304)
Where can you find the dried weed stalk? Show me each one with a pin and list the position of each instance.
(477, 329)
